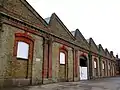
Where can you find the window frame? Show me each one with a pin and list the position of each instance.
(63, 50)
(95, 64)
(21, 57)
(23, 37)
(103, 65)
(63, 63)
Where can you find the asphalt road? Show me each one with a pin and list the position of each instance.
(112, 83)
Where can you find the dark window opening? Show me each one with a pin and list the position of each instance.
(83, 62)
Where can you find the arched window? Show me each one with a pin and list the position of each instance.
(62, 58)
(103, 65)
(23, 47)
(109, 66)
(22, 50)
(95, 64)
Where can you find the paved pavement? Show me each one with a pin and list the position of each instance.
(102, 84)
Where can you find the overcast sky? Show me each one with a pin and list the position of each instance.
(99, 19)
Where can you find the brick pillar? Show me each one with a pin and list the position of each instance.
(73, 63)
(115, 69)
(45, 58)
(90, 66)
(76, 63)
(107, 67)
(50, 59)
(110, 69)
(100, 66)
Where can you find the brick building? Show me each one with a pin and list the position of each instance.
(36, 51)
(117, 65)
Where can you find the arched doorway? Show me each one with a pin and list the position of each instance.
(83, 67)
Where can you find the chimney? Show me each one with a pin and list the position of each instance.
(111, 53)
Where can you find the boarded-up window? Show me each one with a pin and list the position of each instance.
(62, 58)
(22, 50)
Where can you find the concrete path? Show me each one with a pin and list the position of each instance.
(102, 84)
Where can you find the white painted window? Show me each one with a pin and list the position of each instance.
(62, 58)
(103, 65)
(22, 50)
(95, 64)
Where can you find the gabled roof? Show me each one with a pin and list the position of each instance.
(34, 12)
(80, 39)
(93, 46)
(78, 34)
(58, 28)
(101, 50)
(22, 10)
(112, 55)
(107, 53)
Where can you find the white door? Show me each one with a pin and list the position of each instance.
(83, 73)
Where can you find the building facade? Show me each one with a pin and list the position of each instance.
(117, 65)
(37, 51)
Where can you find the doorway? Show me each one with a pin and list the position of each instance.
(83, 67)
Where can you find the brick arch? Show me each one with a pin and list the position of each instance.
(24, 37)
(64, 50)
(84, 57)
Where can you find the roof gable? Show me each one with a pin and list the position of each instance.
(107, 53)
(80, 39)
(24, 11)
(112, 55)
(93, 46)
(58, 28)
(101, 50)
